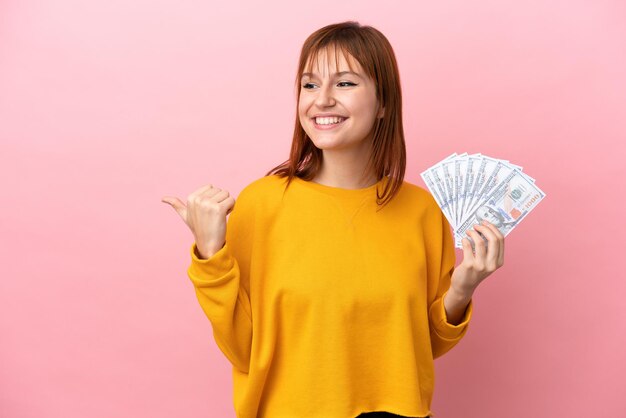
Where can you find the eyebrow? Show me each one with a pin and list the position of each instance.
(339, 74)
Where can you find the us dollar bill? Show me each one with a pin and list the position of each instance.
(506, 205)
(435, 181)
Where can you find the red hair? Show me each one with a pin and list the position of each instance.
(374, 53)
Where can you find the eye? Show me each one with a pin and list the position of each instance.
(341, 84)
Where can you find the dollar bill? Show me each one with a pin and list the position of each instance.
(434, 179)
(467, 188)
(505, 207)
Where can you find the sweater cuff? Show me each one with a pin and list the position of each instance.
(214, 270)
(442, 327)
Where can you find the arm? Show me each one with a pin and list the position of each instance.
(474, 269)
(455, 304)
(222, 289)
(449, 311)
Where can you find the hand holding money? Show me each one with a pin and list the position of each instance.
(476, 266)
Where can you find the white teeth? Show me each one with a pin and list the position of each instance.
(328, 121)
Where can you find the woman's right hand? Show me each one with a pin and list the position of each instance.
(205, 214)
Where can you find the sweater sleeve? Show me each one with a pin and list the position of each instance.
(444, 335)
(222, 289)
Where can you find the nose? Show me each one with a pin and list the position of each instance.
(325, 96)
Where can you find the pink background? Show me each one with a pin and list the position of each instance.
(107, 106)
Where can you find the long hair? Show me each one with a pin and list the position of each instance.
(374, 53)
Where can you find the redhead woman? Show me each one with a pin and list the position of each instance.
(331, 283)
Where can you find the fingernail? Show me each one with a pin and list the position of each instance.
(485, 222)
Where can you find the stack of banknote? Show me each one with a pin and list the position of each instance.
(471, 188)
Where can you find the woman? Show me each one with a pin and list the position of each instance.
(330, 299)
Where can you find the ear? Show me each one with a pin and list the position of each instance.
(381, 113)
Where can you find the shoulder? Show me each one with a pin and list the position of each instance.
(429, 215)
(418, 198)
(263, 187)
(262, 192)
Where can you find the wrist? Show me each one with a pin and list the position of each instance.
(202, 255)
(207, 251)
(459, 282)
(461, 292)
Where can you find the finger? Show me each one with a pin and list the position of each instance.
(479, 245)
(214, 193)
(493, 245)
(494, 228)
(223, 199)
(217, 195)
(198, 192)
(178, 206)
(231, 204)
(468, 253)
(500, 236)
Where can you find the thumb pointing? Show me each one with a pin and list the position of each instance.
(178, 206)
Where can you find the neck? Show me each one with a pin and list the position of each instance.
(345, 168)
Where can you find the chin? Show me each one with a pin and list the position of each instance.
(330, 145)
(324, 144)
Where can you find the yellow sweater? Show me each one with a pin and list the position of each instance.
(326, 308)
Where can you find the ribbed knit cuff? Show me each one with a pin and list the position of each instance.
(212, 271)
(441, 325)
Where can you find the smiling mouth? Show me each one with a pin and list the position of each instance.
(328, 121)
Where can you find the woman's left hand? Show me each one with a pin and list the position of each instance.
(476, 266)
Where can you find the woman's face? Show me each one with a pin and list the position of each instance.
(337, 110)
